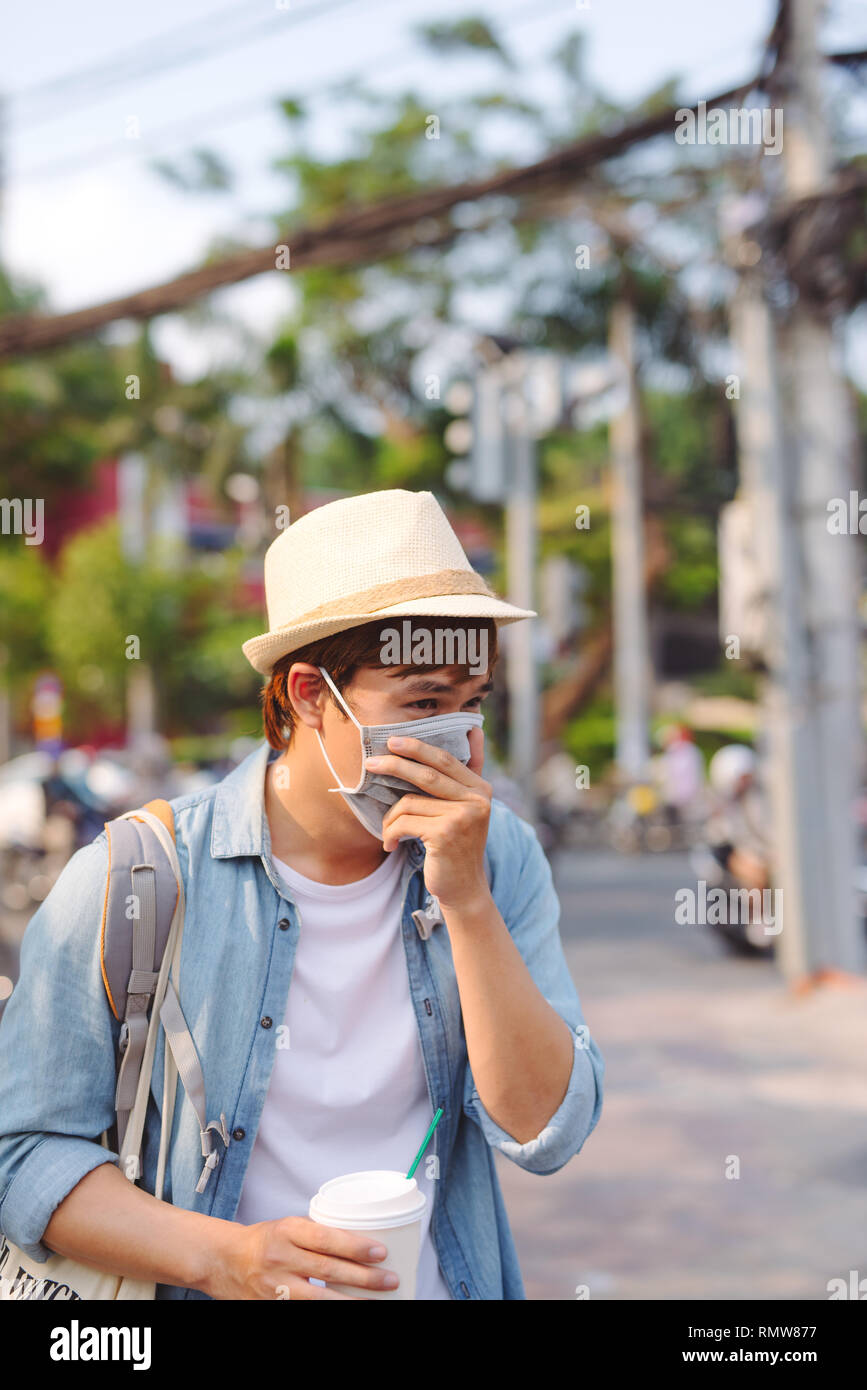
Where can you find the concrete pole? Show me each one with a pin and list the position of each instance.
(632, 669)
(769, 487)
(822, 437)
(521, 674)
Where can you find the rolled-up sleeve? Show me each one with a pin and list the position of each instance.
(524, 892)
(58, 1038)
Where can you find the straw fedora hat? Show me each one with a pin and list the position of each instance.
(381, 555)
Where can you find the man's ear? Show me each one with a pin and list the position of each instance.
(307, 693)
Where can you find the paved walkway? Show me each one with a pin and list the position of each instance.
(707, 1057)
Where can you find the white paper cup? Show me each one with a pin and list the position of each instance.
(388, 1207)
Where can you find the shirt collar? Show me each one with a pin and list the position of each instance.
(240, 825)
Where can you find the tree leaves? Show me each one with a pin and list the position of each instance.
(463, 36)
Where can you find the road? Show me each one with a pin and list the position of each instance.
(709, 1060)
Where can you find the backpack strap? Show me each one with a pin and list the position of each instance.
(141, 888)
(186, 1060)
(144, 886)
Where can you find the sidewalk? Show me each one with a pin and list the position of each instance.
(707, 1058)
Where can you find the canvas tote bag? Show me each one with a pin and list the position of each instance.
(60, 1278)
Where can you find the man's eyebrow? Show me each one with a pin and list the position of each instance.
(428, 686)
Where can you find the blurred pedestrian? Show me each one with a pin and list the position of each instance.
(681, 776)
(737, 829)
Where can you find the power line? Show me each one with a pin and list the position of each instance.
(58, 84)
(157, 65)
(221, 115)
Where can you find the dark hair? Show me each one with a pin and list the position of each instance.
(342, 654)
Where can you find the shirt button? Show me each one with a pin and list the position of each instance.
(284, 924)
(266, 1021)
(238, 1133)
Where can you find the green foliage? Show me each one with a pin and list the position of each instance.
(283, 360)
(417, 461)
(52, 419)
(691, 444)
(590, 738)
(293, 109)
(201, 171)
(178, 616)
(570, 56)
(463, 35)
(728, 678)
(25, 584)
(120, 601)
(691, 579)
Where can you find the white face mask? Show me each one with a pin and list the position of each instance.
(376, 792)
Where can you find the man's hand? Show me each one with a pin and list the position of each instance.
(452, 820)
(276, 1259)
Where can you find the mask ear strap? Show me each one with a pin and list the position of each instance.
(334, 773)
(326, 676)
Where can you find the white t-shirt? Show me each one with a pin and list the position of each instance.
(348, 1093)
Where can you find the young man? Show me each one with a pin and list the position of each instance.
(366, 940)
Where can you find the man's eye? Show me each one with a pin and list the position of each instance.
(474, 703)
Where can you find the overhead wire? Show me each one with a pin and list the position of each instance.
(221, 115)
(157, 65)
(37, 91)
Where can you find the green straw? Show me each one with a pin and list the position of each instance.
(436, 1119)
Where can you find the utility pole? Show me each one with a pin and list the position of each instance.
(501, 468)
(767, 486)
(632, 668)
(821, 437)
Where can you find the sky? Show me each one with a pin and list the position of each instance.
(92, 92)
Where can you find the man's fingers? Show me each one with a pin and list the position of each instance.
(337, 1271)
(476, 739)
(411, 805)
(338, 1256)
(445, 784)
(416, 826)
(432, 756)
(329, 1240)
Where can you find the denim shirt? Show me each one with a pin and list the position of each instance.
(58, 1036)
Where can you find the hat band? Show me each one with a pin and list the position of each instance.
(442, 584)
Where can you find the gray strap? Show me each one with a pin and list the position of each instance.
(427, 917)
(142, 982)
(183, 1048)
(144, 939)
(131, 1144)
(134, 1040)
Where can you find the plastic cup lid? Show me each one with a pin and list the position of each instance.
(372, 1199)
